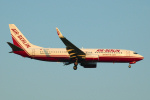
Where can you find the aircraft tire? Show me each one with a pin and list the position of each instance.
(75, 67)
(129, 66)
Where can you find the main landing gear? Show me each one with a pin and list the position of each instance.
(129, 66)
(75, 64)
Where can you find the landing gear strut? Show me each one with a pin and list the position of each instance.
(129, 66)
(75, 64)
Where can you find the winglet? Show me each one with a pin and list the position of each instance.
(59, 33)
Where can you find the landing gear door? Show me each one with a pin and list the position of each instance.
(127, 53)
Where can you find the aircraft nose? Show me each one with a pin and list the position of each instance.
(141, 57)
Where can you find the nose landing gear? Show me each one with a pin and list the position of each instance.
(133, 62)
(129, 66)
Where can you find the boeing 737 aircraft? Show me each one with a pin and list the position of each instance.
(87, 58)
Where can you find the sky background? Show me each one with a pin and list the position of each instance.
(116, 24)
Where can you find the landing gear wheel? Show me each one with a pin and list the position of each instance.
(75, 67)
(129, 66)
(75, 64)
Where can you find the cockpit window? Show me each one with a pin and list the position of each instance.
(135, 52)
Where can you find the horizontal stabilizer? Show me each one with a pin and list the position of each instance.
(14, 47)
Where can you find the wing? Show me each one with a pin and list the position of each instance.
(73, 51)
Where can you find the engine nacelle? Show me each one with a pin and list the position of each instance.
(89, 65)
(66, 63)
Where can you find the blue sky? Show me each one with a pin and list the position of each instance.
(90, 24)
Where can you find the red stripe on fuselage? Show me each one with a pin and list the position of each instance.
(63, 58)
(119, 58)
(53, 59)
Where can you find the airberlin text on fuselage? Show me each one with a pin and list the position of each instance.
(21, 38)
(108, 50)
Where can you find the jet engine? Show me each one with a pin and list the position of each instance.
(89, 64)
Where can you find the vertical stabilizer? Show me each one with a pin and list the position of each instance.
(19, 39)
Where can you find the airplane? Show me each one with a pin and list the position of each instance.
(88, 58)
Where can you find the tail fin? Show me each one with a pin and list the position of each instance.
(19, 39)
